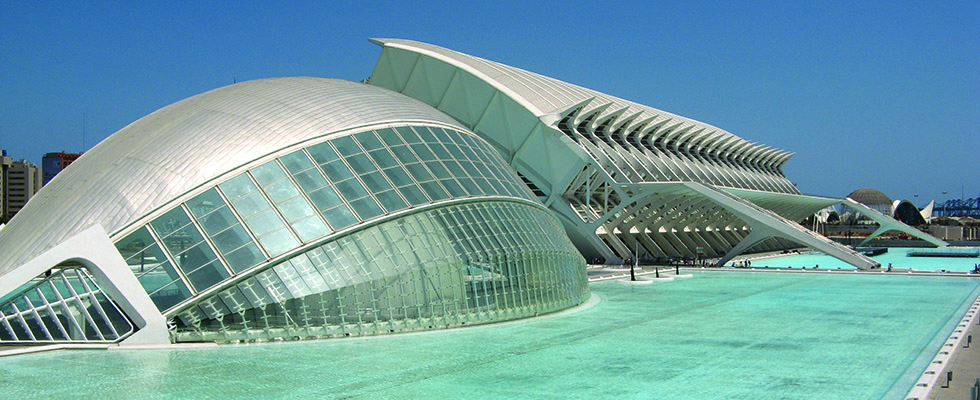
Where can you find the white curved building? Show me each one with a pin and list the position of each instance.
(286, 207)
(449, 190)
(627, 180)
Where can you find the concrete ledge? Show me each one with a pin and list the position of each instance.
(926, 385)
(662, 278)
(636, 282)
(39, 349)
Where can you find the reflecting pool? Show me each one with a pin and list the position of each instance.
(895, 255)
(717, 335)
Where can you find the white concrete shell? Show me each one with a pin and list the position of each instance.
(252, 199)
(163, 156)
(627, 179)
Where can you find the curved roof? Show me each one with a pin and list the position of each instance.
(871, 198)
(543, 95)
(186, 144)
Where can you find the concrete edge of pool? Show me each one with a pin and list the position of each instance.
(927, 383)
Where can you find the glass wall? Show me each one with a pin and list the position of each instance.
(65, 305)
(459, 264)
(305, 196)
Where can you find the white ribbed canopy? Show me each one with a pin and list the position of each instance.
(544, 95)
(186, 144)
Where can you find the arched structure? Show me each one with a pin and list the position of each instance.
(625, 179)
(908, 213)
(285, 207)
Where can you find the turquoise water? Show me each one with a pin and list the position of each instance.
(895, 256)
(715, 336)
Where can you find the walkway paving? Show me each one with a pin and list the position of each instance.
(965, 365)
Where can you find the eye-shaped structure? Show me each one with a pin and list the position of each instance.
(285, 207)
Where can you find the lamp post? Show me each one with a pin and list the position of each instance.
(945, 222)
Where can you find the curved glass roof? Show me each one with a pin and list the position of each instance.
(162, 156)
(256, 217)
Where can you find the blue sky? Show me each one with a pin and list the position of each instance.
(876, 94)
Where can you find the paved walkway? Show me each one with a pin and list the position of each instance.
(965, 365)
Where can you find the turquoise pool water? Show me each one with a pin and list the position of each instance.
(715, 336)
(895, 255)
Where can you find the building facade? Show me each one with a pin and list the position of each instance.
(19, 181)
(53, 163)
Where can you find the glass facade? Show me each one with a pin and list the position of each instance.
(62, 307)
(463, 263)
(305, 196)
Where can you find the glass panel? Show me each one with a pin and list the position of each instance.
(454, 168)
(404, 155)
(296, 161)
(434, 191)
(438, 170)
(207, 276)
(310, 180)
(310, 228)
(351, 189)
(245, 257)
(322, 153)
(325, 198)
(278, 242)
(361, 163)
(231, 239)
(237, 187)
(419, 172)
(131, 246)
(366, 208)
(440, 152)
(205, 203)
(170, 222)
(390, 200)
(340, 217)
(346, 146)
(413, 194)
(251, 204)
(194, 257)
(454, 189)
(423, 152)
(408, 134)
(162, 275)
(336, 171)
(171, 295)
(389, 137)
(186, 237)
(383, 158)
(218, 220)
(368, 141)
(398, 176)
(281, 191)
(424, 133)
(296, 209)
(375, 182)
(264, 223)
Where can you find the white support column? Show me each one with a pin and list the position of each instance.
(887, 223)
(757, 236)
(766, 224)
